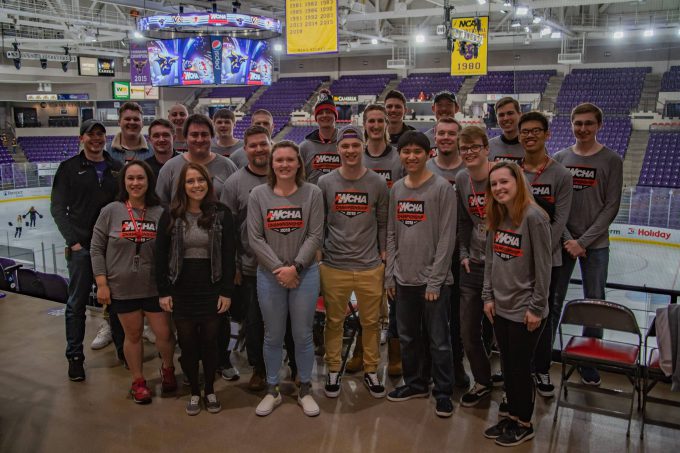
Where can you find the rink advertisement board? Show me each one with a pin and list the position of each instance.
(644, 234)
(468, 59)
(311, 26)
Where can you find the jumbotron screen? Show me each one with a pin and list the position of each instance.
(208, 60)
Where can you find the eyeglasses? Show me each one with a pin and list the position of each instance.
(471, 149)
(584, 123)
(535, 131)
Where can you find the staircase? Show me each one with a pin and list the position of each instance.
(282, 133)
(632, 164)
(257, 95)
(192, 100)
(549, 99)
(389, 87)
(650, 94)
(466, 89)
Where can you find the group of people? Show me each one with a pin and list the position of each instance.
(465, 239)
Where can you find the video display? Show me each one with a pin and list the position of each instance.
(209, 61)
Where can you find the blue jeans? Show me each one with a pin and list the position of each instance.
(79, 287)
(276, 302)
(416, 318)
(594, 269)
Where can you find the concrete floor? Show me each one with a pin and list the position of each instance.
(42, 411)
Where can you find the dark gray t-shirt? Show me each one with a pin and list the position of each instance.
(447, 173)
(471, 217)
(220, 168)
(387, 165)
(235, 195)
(285, 230)
(517, 267)
(505, 150)
(114, 245)
(421, 234)
(356, 220)
(226, 151)
(239, 157)
(597, 182)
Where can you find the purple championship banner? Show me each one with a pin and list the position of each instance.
(140, 69)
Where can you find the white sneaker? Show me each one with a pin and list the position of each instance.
(230, 374)
(148, 335)
(103, 338)
(268, 404)
(309, 406)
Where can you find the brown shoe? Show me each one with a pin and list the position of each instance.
(257, 382)
(394, 358)
(356, 362)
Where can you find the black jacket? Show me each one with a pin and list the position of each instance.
(78, 196)
(170, 252)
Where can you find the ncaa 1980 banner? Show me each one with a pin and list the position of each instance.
(468, 59)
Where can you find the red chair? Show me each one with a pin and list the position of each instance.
(651, 376)
(606, 355)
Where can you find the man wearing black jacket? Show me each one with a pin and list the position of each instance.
(83, 185)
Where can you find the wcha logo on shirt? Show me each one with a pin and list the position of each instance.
(507, 244)
(410, 212)
(386, 174)
(477, 205)
(351, 203)
(508, 158)
(284, 219)
(326, 162)
(147, 227)
(543, 191)
(583, 177)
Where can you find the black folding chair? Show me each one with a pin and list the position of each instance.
(606, 355)
(30, 284)
(651, 376)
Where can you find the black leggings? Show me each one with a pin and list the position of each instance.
(198, 340)
(517, 347)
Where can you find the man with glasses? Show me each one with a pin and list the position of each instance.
(473, 146)
(551, 186)
(507, 146)
(597, 175)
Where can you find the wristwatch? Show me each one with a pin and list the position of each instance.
(298, 268)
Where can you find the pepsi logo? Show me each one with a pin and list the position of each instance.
(216, 44)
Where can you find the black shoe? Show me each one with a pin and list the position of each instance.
(590, 376)
(475, 395)
(444, 407)
(332, 387)
(543, 385)
(374, 386)
(515, 434)
(405, 393)
(499, 428)
(497, 379)
(504, 408)
(460, 377)
(76, 370)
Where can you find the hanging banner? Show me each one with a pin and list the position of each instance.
(140, 72)
(469, 57)
(311, 26)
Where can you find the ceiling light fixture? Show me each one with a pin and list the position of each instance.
(618, 34)
(521, 11)
(420, 38)
(515, 24)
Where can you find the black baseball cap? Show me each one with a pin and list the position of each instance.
(88, 125)
(445, 95)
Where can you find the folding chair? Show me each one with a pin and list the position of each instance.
(606, 355)
(652, 375)
(30, 283)
(351, 329)
(56, 287)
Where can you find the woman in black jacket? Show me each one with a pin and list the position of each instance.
(195, 275)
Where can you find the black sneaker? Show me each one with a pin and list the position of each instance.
(375, 388)
(76, 370)
(498, 429)
(332, 387)
(590, 375)
(475, 395)
(405, 393)
(543, 385)
(460, 377)
(504, 408)
(497, 379)
(444, 407)
(515, 434)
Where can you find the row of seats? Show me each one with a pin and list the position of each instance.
(429, 83)
(661, 164)
(507, 82)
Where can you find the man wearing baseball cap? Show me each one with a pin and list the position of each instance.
(318, 149)
(356, 202)
(83, 185)
(443, 104)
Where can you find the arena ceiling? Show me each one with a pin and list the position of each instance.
(367, 27)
